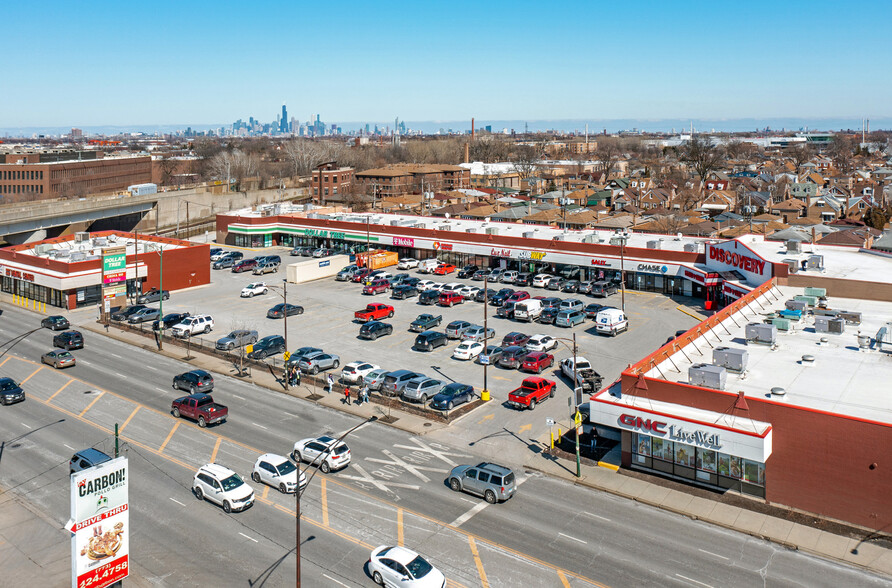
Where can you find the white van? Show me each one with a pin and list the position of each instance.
(428, 265)
(528, 310)
(610, 321)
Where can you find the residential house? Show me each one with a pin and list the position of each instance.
(655, 198)
(860, 237)
(716, 180)
(719, 200)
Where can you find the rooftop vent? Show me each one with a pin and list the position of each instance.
(691, 247)
(709, 376)
(492, 230)
(828, 324)
(761, 333)
(655, 244)
(81, 237)
(792, 246)
(734, 360)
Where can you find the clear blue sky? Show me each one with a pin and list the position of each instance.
(72, 63)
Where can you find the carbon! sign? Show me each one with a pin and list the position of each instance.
(100, 525)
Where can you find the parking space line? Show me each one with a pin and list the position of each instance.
(563, 579)
(324, 490)
(335, 581)
(89, 406)
(477, 561)
(573, 538)
(127, 422)
(216, 449)
(57, 391)
(177, 501)
(31, 376)
(468, 514)
(169, 436)
(399, 527)
(5, 360)
(265, 492)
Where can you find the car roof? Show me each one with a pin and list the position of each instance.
(402, 555)
(94, 455)
(274, 458)
(400, 373)
(201, 373)
(494, 467)
(216, 470)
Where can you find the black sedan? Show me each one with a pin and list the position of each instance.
(570, 286)
(169, 320)
(403, 291)
(194, 382)
(483, 295)
(467, 271)
(374, 329)
(55, 323)
(479, 275)
(282, 310)
(10, 392)
(153, 295)
(452, 395)
(269, 345)
(428, 297)
(69, 340)
(501, 296)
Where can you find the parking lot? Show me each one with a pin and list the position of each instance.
(327, 322)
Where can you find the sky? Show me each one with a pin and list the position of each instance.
(76, 63)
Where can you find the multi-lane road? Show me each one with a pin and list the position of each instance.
(551, 534)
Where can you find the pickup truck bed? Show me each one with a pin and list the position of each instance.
(373, 312)
(201, 408)
(531, 392)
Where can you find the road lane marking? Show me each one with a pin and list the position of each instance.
(335, 581)
(412, 469)
(169, 435)
(488, 417)
(713, 554)
(216, 449)
(177, 501)
(5, 360)
(477, 561)
(434, 449)
(127, 422)
(239, 397)
(468, 514)
(31, 376)
(68, 446)
(162, 390)
(591, 514)
(89, 406)
(29, 426)
(365, 477)
(573, 538)
(692, 580)
(502, 378)
(260, 426)
(59, 390)
(246, 537)
(524, 428)
(399, 527)
(324, 491)
(115, 355)
(563, 579)
(265, 492)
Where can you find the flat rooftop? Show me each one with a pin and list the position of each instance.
(843, 378)
(71, 250)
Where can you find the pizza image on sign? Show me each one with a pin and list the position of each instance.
(102, 545)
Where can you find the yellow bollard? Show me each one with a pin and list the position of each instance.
(552, 439)
(484, 395)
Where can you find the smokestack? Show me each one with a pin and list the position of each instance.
(472, 129)
(467, 153)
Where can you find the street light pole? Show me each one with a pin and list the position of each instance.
(576, 424)
(285, 313)
(161, 300)
(622, 271)
(298, 493)
(485, 390)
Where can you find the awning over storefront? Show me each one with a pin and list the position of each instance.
(732, 435)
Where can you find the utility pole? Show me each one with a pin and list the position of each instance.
(485, 391)
(622, 271)
(576, 424)
(136, 263)
(285, 313)
(161, 300)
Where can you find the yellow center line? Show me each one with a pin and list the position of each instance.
(57, 391)
(477, 561)
(324, 491)
(89, 406)
(216, 449)
(265, 492)
(169, 435)
(399, 527)
(127, 422)
(31, 376)
(563, 579)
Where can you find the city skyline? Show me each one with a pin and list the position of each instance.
(127, 65)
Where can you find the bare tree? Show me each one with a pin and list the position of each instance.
(702, 156)
(524, 159)
(234, 165)
(608, 153)
(302, 156)
(688, 198)
(842, 151)
(800, 153)
(669, 223)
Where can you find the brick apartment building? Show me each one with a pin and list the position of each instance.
(37, 175)
(397, 179)
(331, 181)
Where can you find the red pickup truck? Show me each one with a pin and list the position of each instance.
(451, 297)
(373, 312)
(201, 408)
(531, 391)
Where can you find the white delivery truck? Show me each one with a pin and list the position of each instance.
(428, 265)
(610, 321)
(528, 310)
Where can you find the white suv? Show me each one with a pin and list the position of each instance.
(253, 289)
(313, 450)
(192, 325)
(355, 371)
(222, 486)
(278, 472)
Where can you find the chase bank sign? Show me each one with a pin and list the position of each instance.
(652, 268)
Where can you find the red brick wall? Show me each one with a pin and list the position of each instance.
(183, 268)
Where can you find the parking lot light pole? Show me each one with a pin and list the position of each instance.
(298, 492)
(576, 426)
(484, 394)
(161, 300)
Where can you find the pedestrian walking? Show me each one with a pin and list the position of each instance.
(330, 383)
(365, 393)
(296, 376)
(346, 394)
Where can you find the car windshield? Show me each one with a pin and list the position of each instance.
(232, 482)
(419, 567)
(286, 467)
(63, 355)
(8, 385)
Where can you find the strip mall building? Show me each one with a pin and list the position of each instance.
(806, 424)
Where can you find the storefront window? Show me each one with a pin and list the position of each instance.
(754, 472)
(684, 454)
(706, 460)
(642, 444)
(662, 449)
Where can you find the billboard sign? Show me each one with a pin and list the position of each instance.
(114, 265)
(100, 525)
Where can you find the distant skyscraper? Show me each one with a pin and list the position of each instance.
(284, 122)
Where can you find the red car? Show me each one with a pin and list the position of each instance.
(376, 287)
(536, 361)
(245, 265)
(444, 268)
(449, 298)
(518, 296)
(361, 274)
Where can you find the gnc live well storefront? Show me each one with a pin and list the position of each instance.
(708, 448)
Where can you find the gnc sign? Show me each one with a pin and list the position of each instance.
(636, 422)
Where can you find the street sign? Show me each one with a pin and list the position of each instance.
(577, 418)
(483, 360)
(249, 348)
(286, 356)
(549, 422)
(107, 305)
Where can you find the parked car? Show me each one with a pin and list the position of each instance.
(490, 355)
(169, 320)
(254, 289)
(511, 357)
(407, 263)
(466, 272)
(484, 295)
(58, 358)
(323, 252)
(279, 472)
(547, 316)
(603, 288)
(523, 279)
(450, 299)
(199, 407)
(456, 329)
(218, 253)
(375, 379)
(570, 286)
(506, 310)
(215, 251)
(541, 343)
(444, 269)
(347, 273)
(153, 295)
(493, 482)
(479, 275)
(536, 361)
(420, 389)
(377, 286)
(586, 377)
(401, 279)
(585, 287)
(478, 333)
(467, 350)
(85, 459)
(269, 266)
(194, 381)
(592, 310)
(360, 274)
(193, 325)
(355, 371)
(303, 251)
(401, 567)
(532, 391)
(222, 486)
(427, 266)
(541, 280)
(430, 340)
(611, 321)
(527, 310)
(236, 338)
(244, 265)
(395, 381)
(518, 296)
(269, 345)
(508, 276)
(281, 310)
(10, 392)
(228, 260)
(569, 318)
(515, 338)
(423, 322)
(373, 312)
(452, 395)
(326, 453)
(316, 362)
(403, 291)
(425, 285)
(301, 353)
(499, 298)
(269, 259)
(374, 329)
(144, 315)
(551, 302)
(571, 304)
(468, 292)
(69, 340)
(121, 314)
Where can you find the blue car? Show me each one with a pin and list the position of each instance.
(452, 395)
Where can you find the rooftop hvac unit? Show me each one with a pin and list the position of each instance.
(795, 305)
(314, 215)
(43, 248)
(100, 242)
(792, 246)
(81, 237)
(492, 230)
(793, 315)
(811, 301)
(655, 244)
(782, 324)
(829, 324)
(444, 227)
(616, 241)
(761, 333)
(691, 247)
(63, 253)
(421, 226)
(815, 262)
(529, 235)
(590, 239)
(792, 265)
(394, 223)
(851, 318)
(708, 376)
(817, 292)
(471, 230)
(825, 312)
(558, 238)
(731, 359)
(78, 256)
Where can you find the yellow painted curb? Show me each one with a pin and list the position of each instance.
(699, 318)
